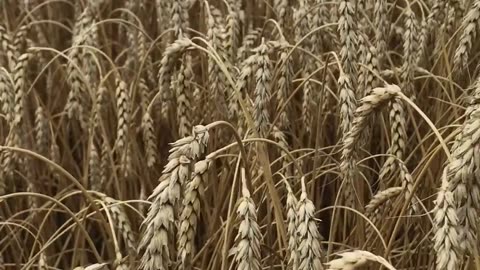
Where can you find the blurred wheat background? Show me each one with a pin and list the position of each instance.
(239, 134)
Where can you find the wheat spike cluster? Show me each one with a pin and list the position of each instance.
(239, 134)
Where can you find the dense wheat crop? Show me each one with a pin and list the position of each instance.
(239, 134)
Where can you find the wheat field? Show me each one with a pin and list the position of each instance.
(239, 134)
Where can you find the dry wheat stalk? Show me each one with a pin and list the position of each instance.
(292, 222)
(191, 212)
(262, 88)
(469, 27)
(158, 225)
(308, 237)
(246, 251)
(353, 259)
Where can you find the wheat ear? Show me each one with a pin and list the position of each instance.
(470, 29)
(353, 259)
(292, 203)
(247, 242)
(191, 212)
(158, 226)
(308, 237)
